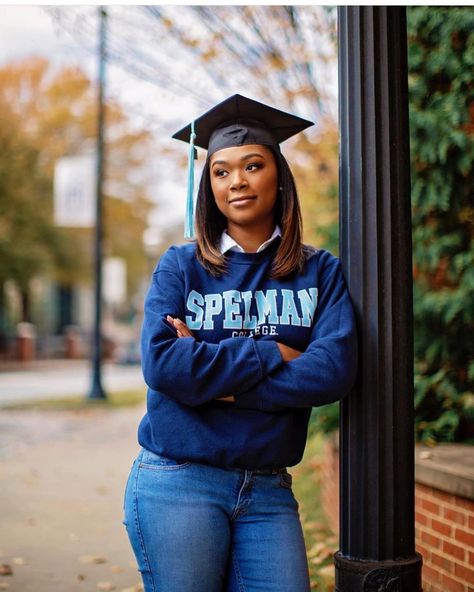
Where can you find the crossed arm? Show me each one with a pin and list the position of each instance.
(182, 330)
(250, 373)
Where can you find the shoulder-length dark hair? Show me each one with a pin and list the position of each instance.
(210, 223)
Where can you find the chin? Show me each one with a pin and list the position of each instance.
(249, 218)
(245, 221)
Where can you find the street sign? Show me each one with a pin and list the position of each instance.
(115, 280)
(75, 186)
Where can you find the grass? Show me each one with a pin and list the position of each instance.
(321, 543)
(115, 400)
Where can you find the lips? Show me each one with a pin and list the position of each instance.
(242, 198)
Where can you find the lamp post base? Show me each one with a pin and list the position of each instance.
(353, 575)
(97, 392)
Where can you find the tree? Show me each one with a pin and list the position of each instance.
(28, 242)
(277, 52)
(441, 62)
(283, 55)
(55, 115)
(316, 171)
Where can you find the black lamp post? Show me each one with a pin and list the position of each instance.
(377, 549)
(97, 391)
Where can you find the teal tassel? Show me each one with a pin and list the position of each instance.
(189, 221)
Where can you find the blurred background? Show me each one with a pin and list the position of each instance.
(164, 66)
(48, 91)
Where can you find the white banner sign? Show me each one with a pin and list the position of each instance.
(114, 280)
(75, 179)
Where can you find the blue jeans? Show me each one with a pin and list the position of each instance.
(199, 528)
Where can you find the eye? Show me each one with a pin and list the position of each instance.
(220, 172)
(253, 166)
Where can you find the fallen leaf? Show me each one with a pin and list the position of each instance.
(6, 570)
(18, 560)
(316, 549)
(92, 559)
(327, 573)
(105, 586)
(116, 568)
(80, 577)
(426, 455)
(314, 525)
(4, 586)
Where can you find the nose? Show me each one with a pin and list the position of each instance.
(238, 180)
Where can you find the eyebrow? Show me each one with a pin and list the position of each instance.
(246, 157)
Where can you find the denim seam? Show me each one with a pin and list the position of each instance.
(238, 575)
(139, 532)
(164, 467)
(235, 513)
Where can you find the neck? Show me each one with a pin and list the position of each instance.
(250, 238)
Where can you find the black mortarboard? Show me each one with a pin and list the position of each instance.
(237, 121)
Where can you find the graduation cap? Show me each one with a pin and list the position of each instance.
(237, 121)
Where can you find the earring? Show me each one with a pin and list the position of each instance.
(280, 188)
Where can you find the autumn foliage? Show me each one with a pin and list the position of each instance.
(46, 113)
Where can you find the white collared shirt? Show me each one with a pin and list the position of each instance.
(229, 244)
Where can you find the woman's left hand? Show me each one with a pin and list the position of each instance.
(182, 330)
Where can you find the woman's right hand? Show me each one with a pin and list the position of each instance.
(181, 328)
(288, 353)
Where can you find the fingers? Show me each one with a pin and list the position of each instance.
(181, 328)
(229, 399)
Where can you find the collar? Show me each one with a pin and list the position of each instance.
(227, 243)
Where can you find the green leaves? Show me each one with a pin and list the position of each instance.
(441, 56)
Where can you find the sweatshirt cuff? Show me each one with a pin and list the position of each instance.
(269, 356)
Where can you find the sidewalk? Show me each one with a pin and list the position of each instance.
(48, 379)
(62, 478)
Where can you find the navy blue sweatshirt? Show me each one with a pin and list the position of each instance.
(236, 320)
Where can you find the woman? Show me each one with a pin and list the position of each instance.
(245, 330)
